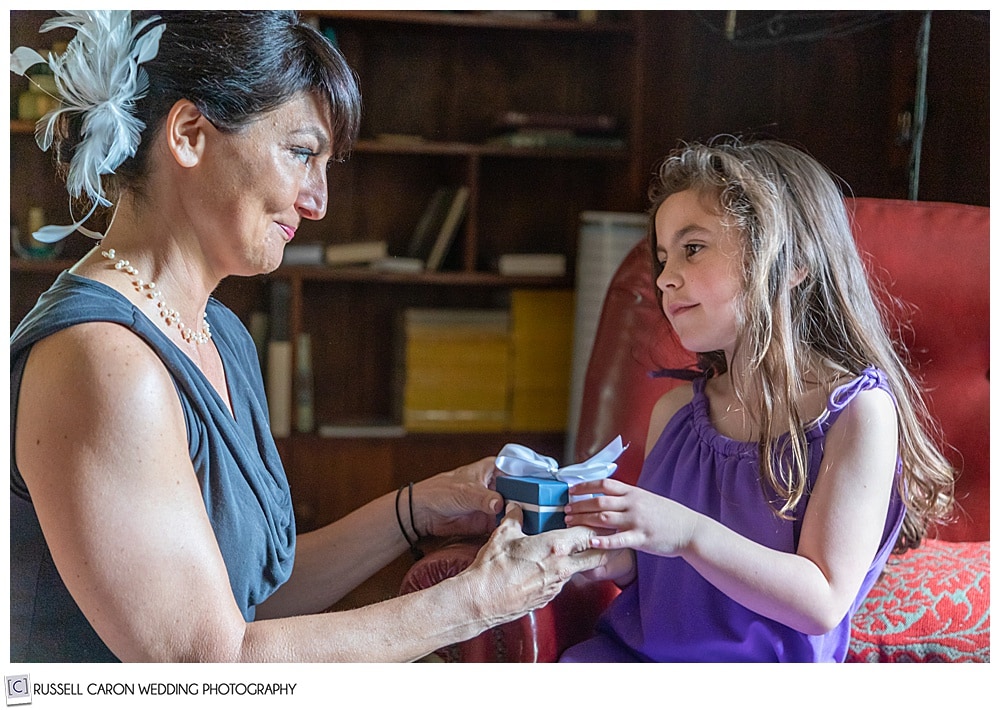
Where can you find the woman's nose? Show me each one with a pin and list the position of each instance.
(313, 197)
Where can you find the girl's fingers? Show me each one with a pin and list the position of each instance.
(607, 486)
(616, 541)
(602, 519)
(593, 505)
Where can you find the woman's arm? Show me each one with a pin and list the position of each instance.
(102, 446)
(335, 559)
(810, 590)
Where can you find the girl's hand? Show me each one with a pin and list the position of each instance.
(457, 502)
(619, 568)
(635, 518)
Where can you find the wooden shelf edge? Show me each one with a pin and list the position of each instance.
(460, 149)
(474, 20)
(347, 275)
(21, 127)
(39, 266)
(436, 278)
(417, 436)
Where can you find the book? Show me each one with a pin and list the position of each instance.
(258, 328)
(397, 265)
(532, 265)
(541, 358)
(303, 384)
(554, 138)
(579, 124)
(308, 253)
(449, 228)
(362, 429)
(279, 361)
(279, 387)
(429, 224)
(456, 375)
(353, 253)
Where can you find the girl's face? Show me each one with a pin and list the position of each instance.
(701, 280)
(262, 181)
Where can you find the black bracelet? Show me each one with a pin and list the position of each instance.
(415, 551)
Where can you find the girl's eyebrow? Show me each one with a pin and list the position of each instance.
(685, 231)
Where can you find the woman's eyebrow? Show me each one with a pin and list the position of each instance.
(316, 132)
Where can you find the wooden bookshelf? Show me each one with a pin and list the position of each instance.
(437, 79)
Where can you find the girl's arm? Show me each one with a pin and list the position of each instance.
(122, 512)
(810, 590)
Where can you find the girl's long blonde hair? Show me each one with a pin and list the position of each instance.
(794, 221)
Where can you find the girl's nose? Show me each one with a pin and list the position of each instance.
(668, 277)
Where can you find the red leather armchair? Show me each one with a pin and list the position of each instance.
(932, 261)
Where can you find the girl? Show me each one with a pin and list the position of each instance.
(777, 483)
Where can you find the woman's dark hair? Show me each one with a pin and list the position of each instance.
(234, 66)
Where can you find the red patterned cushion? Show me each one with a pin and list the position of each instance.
(931, 604)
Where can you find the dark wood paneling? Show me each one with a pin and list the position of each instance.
(837, 97)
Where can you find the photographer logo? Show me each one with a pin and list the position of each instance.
(18, 689)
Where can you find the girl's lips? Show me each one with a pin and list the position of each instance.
(677, 308)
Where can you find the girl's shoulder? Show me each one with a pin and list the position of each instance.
(665, 408)
(864, 398)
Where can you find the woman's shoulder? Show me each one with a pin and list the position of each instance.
(71, 299)
(106, 380)
(111, 357)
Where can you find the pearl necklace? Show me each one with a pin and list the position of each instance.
(169, 315)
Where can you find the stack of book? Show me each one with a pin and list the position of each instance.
(532, 265)
(339, 254)
(541, 358)
(355, 253)
(517, 129)
(456, 370)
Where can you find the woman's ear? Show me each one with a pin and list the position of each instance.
(185, 128)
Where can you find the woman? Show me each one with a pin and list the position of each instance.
(151, 517)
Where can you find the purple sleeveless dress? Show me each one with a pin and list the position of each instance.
(671, 613)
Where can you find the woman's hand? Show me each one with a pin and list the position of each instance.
(514, 573)
(457, 502)
(637, 519)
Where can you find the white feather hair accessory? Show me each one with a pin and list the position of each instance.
(98, 76)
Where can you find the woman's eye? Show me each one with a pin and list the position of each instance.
(303, 155)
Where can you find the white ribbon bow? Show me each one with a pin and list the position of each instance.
(517, 460)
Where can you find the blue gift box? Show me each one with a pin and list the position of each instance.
(541, 499)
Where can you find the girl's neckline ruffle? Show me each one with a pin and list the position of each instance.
(870, 378)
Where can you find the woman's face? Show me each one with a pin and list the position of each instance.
(261, 182)
(701, 279)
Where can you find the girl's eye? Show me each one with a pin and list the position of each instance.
(692, 249)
